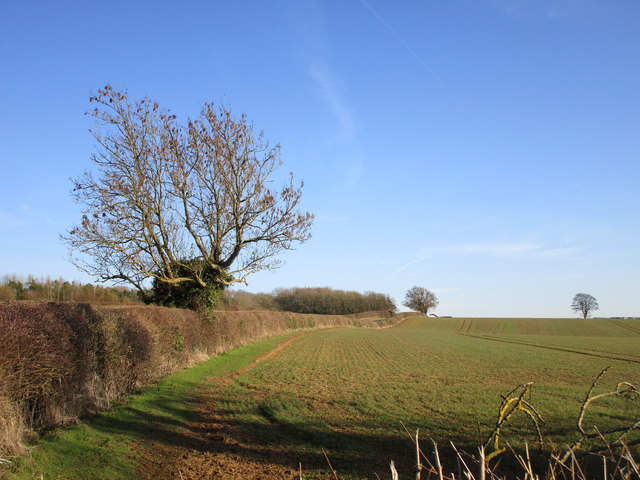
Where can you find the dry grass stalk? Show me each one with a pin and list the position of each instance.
(418, 462)
(618, 463)
(440, 470)
(333, 471)
(625, 467)
(394, 472)
(12, 428)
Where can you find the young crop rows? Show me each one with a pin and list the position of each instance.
(352, 392)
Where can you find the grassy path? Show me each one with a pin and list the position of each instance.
(211, 445)
(143, 436)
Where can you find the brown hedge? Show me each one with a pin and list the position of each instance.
(59, 361)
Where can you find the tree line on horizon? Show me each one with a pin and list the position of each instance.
(318, 300)
(32, 288)
(327, 301)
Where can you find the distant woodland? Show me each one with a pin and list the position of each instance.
(317, 300)
(14, 287)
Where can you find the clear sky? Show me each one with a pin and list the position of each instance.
(488, 150)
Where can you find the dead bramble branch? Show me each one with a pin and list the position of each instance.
(513, 402)
(622, 389)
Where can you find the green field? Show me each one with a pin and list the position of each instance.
(347, 391)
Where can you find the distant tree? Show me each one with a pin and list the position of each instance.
(18, 289)
(7, 293)
(186, 205)
(584, 303)
(420, 299)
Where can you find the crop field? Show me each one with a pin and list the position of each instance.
(348, 392)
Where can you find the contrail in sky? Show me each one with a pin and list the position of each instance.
(409, 49)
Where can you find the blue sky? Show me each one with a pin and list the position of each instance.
(488, 150)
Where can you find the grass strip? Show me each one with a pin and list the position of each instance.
(103, 447)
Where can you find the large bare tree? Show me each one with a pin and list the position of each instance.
(181, 203)
(420, 299)
(584, 303)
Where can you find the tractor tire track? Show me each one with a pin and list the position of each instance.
(625, 326)
(548, 347)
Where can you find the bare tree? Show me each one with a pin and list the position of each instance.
(584, 303)
(420, 299)
(181, 204)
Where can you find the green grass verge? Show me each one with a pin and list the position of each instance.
(102, 447)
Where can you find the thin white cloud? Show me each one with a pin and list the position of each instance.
(498, 249)
(493, 249)
(320, 217)
(501, 249)
(351, 161)
(550, 9)
(10, 221)
(312, 32)
(408, 47)
(328, 84)
(560, 252)
(569, 276)
(402, 268)
(513, 8)
(445, 290)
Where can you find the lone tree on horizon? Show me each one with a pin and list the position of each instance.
(189, 207)
(420, 299)
(584, 303)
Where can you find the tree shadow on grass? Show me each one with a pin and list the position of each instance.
(351, 451)
(354, 450)
(265, 438)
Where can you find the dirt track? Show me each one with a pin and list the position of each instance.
(212, 448)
